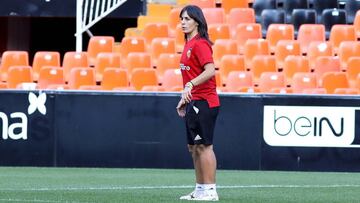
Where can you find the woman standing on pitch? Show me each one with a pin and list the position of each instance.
(199, 102)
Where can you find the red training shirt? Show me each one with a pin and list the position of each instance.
(196, 54)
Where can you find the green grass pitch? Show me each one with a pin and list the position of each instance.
(80, 185)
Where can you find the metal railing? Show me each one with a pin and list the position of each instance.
(89, 12)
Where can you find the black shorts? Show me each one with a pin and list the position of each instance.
(200, 122)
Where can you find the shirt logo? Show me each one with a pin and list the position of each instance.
(188, 53)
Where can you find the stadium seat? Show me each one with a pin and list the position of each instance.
(174, 20)
(142, 21)
(320, 5)
(353, 69)
(73, 59)
(138, 60)
(154, 30)
(18, 75)
(218, 31)
(12, 58)
(160, 46)
(167, 61)
(132, 32)
(358, 82)
(308, 33)
(340, 33)
(182, 2)
(318, 48)
(214, 15)
(247, 16)
(317, 90)
(50, 75)
(106, 60)
(260, 5)
(347, 91)
(81, 76)
(302, 16)
(245, 31)
(286, 48)
(131, 44)
(357, 24)
(270, 80)
(330, 17)
(143, 77)
(228, 63)
(203, 3)
(237, 81)
(290, 5)
(172, 80)
(158, 9)
(277, 32)
(99, 44)
(261, 64)
(351, 7)
(255, 47)
(152, 88)
(114, 78)
(44, 58)
(295, 64)
(271, 16)
(348, 49)
(231, 4)
(223, 47)
(303, 80)
(324, 64)
(333, 80)
(179, 39)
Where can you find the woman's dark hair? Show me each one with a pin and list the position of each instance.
(195, 13)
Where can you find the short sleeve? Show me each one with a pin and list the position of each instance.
(203, 52)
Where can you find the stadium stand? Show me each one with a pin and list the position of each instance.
(12, 58)
(50, 75)
(17, 75)
(82, 76)
(44, 58)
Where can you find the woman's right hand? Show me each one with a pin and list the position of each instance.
(180, 108)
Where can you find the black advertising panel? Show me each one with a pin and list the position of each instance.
(311, 133)
(26, 120)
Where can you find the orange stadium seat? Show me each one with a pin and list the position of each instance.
(271, 80)
(261, 64)
(231, 62)
(357, 24)
(308, 33)
(131, 44)
(325, 64)
(247, 16)
(214, 15)
(160, 46)
(143, 77)
(158, 9)
(167, 61)
(82, 76)
(286, 48)
(348, 49)
(223, 47)
(255, 47)
(142, 21)
(245, 31)
(12, 58)
(353, 69)
(295, 64)
(318, 90)
(333, 80)
(154, 30)
(182, 2)
(179, 39)
(318, 48)
(302, 81)
(152, 88)
(340, 33)
(132, 32)
(114, 78)
(203, 3)
(172, 80)
(358, 82)
(219, 31)
(277, 32)
(44, 58)
(18, 75)
(99, 44)
(106, 60)
(239, 81)
(50, 75)
(231, 4)
(73, 59)
(174, 20)
(138, 60)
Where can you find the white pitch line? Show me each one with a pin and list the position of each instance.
(33, 200)
(178, 187)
